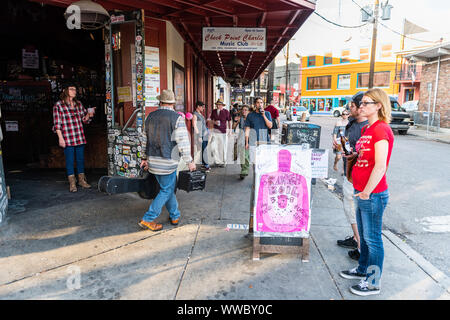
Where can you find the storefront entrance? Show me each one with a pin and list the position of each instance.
(40, 55)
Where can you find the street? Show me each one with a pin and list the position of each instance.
(419, 185)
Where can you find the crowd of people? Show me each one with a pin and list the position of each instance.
(365, 188)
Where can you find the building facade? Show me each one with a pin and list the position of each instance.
(330, 82)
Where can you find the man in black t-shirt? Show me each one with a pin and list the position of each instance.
(353, 133)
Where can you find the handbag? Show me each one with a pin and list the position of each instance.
(350, 163)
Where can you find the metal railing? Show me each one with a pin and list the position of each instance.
(408, 76)
(429, 120)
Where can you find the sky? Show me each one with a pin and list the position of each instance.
(316, 36)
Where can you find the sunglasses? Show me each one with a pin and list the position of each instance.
(345, 114)
(365, 103)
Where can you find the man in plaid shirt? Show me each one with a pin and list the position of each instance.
(68, 118)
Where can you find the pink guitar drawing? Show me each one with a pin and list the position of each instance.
(283, 199)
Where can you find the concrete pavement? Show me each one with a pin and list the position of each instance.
(442, 136)
(94, 249)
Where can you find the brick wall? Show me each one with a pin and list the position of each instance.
(443, 94)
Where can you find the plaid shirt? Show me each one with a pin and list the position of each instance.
(69, 121)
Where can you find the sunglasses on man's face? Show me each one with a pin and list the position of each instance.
(345, 114)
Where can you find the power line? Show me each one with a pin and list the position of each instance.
(399, 33)
(339, 25)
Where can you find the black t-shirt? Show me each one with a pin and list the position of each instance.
(353, 133)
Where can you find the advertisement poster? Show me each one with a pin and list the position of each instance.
(234, 39)
(30, 59)
(152, 76)
(282, 191)
(178, 85)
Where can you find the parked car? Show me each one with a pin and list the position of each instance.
(337, 112)
(295, 113)
(401, 120)
(410, 107)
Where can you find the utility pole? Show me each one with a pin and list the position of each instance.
(374, 45)
(286, 96)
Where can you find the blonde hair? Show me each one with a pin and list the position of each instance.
(380, 96)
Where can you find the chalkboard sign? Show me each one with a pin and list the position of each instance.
(300, 133)
(26, 97)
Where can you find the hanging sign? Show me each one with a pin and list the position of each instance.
(234, 39)
(282, 191)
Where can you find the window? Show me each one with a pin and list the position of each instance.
(386, 51)
(345, 55)
(311, 61)
(364, 54)
(328, 59)
(343, 81)
(380, 79)
(317, 83)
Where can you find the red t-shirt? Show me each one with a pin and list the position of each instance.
(273, 111)
(365, 147)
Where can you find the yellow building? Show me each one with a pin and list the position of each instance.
(329, 82)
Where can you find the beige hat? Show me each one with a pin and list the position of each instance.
(167, 96)
(220, 102)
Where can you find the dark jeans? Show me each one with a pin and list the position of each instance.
(205, 154)
(369, 217)
(70, 152)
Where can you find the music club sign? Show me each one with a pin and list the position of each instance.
(234, 39)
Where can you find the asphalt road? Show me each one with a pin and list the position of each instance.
(419, 186)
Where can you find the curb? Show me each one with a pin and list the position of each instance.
(417, 258)
(428, 138)
(438, 276)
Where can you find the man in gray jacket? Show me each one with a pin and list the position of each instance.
(167, 137)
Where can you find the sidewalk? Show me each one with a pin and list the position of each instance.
(442, 136)
(41, 250)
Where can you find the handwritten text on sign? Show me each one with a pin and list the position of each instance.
(234, 39)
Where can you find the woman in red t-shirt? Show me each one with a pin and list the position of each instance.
(371, 190)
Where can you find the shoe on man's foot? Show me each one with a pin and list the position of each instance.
(150, 225)
(352, 274)
(174, 222)
(242, 176)
(363, 289)
(354, 254)
(349, 243)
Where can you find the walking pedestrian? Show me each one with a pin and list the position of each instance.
(201, 133)
(257, 125)
(220, 133)
(353, 133)
(374, 150)
(275, 114)
(68, 118)
(244, 155)
(166, 131)
(338, 131)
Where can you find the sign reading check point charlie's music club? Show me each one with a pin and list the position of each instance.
(234, 39)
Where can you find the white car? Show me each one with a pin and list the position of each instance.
(296, 112)
(337, 112)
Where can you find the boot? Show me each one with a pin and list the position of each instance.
(72, 183)
(82, 181)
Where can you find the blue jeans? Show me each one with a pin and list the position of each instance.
(369, 218)
(166, 196)
(205, 154)
(70, 152)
